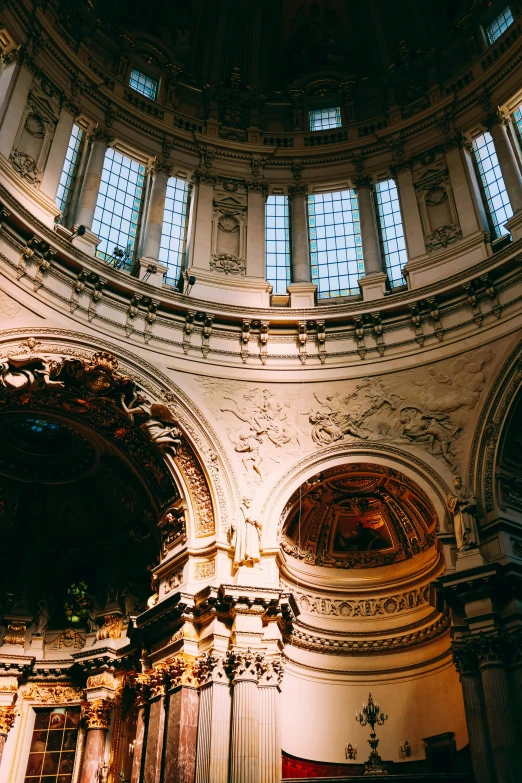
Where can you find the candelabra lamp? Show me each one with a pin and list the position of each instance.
(405, 749)
(372, 715)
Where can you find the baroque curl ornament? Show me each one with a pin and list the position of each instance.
(97, 714)
(7, 719)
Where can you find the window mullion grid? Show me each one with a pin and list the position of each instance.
(69, 171)
(173, 235)
(493, 187)
(391, 230)
(336, 254)
(277, 243)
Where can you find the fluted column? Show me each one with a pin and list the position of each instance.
(255, 243)
(300, 244)
(97, 716)
(160, 173)
(466, 664)
(244, 755)
(502, 722)
(92, 178)
(269, 723)
(215, 707)
(7, 718)
(507, 160)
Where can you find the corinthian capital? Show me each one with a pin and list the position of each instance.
(7, 718)
(245, 665)
(97, 714)
(211, 668)
(272, 670)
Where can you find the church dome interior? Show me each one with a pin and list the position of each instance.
(260, 391)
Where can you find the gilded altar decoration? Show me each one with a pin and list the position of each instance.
(111, 628)
(7, 718)
(199, 490)
(173, 529)
(97, 714)
(57, 693)
(103, 680)
(15, 633)
(8, 684)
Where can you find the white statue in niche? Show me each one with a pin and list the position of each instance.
(42, 618)
(463, 506)
(246, 535)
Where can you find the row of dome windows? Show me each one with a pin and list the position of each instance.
(336, 245)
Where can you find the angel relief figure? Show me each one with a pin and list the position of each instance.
(336, 420)
(158, 423)
(29, 371)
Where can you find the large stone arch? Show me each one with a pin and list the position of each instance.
(199, 467)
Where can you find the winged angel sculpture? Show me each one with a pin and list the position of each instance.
(158, 423)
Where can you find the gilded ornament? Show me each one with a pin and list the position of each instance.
(53, 694)
(7, 718)
(15, 633)
(97, 713)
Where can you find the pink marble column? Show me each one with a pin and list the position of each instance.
(138, 745)
(155, 741)
(180, 748)
(97, 717)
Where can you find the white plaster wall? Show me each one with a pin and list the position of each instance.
(318, 717)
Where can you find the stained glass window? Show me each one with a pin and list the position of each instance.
(53, 745)
(495, 193)
(144, 84)
(118, 206)
(173, 233)
(277, 243)
(335, 243)
(325, 119)
(392, 231)
(499, 25)
(69, 169)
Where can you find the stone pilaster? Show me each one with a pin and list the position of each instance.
(160, 173)
(90, 187)
(302, 290)
(269, 721)
(97, 715)
(202, 219)
(410, 213)
(244, 750)
(466, 663)
(255, 242)
(215, 708)
(507, 160)
(373, 283)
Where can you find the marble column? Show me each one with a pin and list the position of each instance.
(92, 178)
(155, 739)
(302, 290)
(202, 217)
(507, 161)
(215, 707)
(160, 173)
(502, 724)
(182, 728)
(137, 756)
(244, 754)
(414, 234)
(255, 240)
(7, 718)
(269, 723)
(373, 283)
(477, 727)
(97, 717)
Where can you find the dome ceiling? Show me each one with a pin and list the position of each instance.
(358, 516)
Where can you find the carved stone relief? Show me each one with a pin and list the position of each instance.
(437, 207)
(228, 252)
(34, 137)
(370, 607)
(427, 408)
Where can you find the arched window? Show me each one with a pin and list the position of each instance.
(336, 253)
